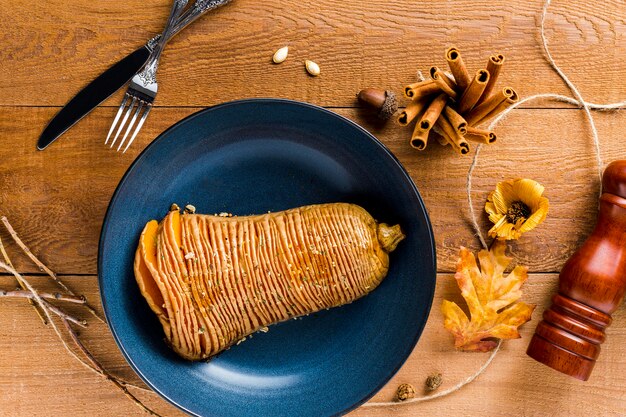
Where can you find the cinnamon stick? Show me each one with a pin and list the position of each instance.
(446, 77)
(419, 139)
(412, 110)
(458, 68)
(483, 109)
(432, 112)
(455, 139)
(480, 135)
(456, 120)
(500, 108)
(420, 89)
(445, 84)
(472, 94)
(494, 66)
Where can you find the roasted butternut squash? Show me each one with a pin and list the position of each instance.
(213, 280)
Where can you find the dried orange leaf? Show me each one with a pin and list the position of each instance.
(491, 297)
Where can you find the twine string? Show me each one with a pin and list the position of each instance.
(578, 101)
(573, 88)
(448, 391)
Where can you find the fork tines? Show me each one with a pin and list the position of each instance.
(133, 100)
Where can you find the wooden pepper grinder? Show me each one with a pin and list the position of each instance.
(591, 286)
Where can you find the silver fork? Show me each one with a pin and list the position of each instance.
(143, 87)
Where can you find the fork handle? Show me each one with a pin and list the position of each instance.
(157, 44)
(199, 8)
(176, 22)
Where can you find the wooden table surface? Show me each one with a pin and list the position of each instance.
(56, 199)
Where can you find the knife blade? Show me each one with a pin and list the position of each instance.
(93, 94)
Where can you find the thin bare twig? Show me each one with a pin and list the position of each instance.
(101, 370)
(41, 265)
(26, 284)
(92, 364)
(45, 306)
(45, 295)
(5, 255)
(32, 257)
(63, 315)
(40, 300)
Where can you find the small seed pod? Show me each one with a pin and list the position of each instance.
(404, 392)
(312, 68)
(433, 382)
(383, 101)
(280, 55)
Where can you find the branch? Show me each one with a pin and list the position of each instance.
(62, 314)
(43, 304)
(32, 257)
(5, 255)
(41, 265)
(103, 372)
(45, 295)
(92, 363)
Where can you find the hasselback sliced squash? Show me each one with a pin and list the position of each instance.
(213, 280)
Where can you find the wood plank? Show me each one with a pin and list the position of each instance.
(37, 377)
(50, 50)
(56, 199)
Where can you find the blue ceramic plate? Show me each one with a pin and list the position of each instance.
(255, 156)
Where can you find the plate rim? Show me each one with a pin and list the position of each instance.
(315, 107)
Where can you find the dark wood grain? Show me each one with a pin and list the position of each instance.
(51, 49)
(56, 199)
(38, 378)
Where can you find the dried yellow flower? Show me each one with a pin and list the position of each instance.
(515, 207)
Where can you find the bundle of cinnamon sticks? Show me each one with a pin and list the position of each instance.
(453, 105)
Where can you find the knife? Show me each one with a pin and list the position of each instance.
(93, 94)
(114, 78)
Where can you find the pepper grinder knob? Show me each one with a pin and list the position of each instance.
(591, 287)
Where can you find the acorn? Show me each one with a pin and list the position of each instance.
(382, 100)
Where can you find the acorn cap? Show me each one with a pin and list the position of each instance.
(383, 100)
(390, 106)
